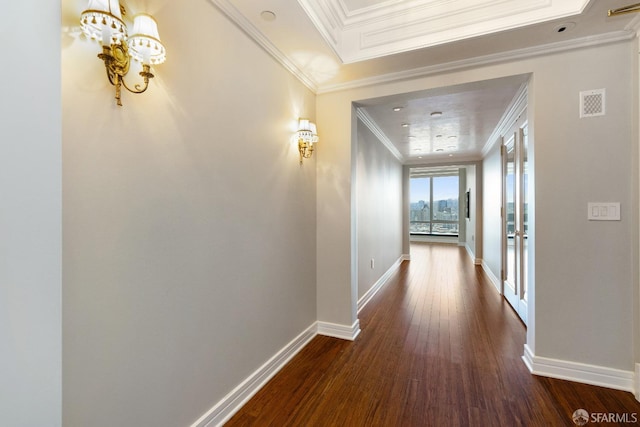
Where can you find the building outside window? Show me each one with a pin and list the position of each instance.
(434, 206)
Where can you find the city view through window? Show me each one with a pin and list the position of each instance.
(434, 205)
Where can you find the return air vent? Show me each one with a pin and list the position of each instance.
(592, 103)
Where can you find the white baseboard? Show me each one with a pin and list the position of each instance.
(476, 261)
(470, 253)
(492, 277)
(579, 372)
(379, 284)
(406, 257)
(232, 402)
(339, 331)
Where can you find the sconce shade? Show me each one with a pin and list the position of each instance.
(144, 43)
(303, 125)
(314, 132)
(103, 21)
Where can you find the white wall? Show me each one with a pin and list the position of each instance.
(583, 270)
(379, 209)
(336, 280)
(462, 190)
(470, 238)
(491, 202)
(30, 212)
(406, 211)
(189, 225)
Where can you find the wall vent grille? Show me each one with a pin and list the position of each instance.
(592, 103)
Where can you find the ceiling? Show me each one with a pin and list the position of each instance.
(338, 44)
(444, 124)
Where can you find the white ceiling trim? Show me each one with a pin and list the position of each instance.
(248, 28)
(444, 160)
(373, 127)
(326, 20)
(513, 55)
(395, 27)
(434, 171)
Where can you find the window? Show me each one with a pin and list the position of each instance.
(434, 204)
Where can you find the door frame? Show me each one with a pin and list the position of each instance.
(514, 294)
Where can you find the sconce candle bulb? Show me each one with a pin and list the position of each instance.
(307, 138)
(103, 21)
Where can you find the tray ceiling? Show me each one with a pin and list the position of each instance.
(358, 30)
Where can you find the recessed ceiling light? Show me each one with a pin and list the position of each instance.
(436, 114)
(450, 155)
(404, 125)
(268, 16)
(439, 149)
(397, 109)
(438, 136)
(452, 137)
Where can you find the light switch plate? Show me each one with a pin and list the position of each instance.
(603, 211)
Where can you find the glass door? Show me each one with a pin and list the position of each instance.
(514, 220)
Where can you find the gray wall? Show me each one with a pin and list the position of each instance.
(379, 209)
(189, 225)
(30, 217)
(583, 270)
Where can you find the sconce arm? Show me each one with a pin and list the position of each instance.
(116, 62)
(146, 75)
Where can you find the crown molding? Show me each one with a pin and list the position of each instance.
(373, 127)
(517, 54)
(389, 28)
(249, 29)
(517, 106)
(434, 160)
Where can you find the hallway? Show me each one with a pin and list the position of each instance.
(439, 347)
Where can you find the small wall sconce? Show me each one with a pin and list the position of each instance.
(307, 137)
(102, 21)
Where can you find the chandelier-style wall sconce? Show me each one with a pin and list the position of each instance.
(307, 138)
(102, 21)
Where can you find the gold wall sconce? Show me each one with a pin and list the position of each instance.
(307, 138)
(102, 21)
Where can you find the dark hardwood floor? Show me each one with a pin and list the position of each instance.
(438, 347)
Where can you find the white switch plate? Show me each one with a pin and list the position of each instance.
(603, 211)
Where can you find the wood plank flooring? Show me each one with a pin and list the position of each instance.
(438, 347)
